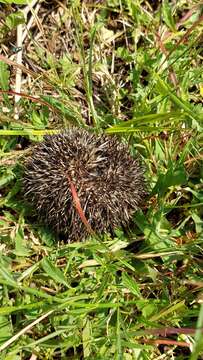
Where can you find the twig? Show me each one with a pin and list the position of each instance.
(26, 10)
(19, 55)
(33, 357)
(23, 331)
(30, 6)
(19, 43)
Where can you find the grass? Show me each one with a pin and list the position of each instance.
(131, 68)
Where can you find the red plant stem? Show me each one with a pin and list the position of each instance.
(171, 331)
(182, 39)
(165, 342)
(172, 74)
(34, 99)
(79, 208)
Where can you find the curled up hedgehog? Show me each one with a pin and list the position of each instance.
(81, 183)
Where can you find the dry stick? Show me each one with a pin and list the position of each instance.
(79, 207)
(23, 331)
(29, 7)
(26, 10)
(19, 56)
(33, 357)
(38, 22)
(30, 22)
(199, 157)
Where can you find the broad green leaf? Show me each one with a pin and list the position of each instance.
(15, 19)
(6, 178)
(27, 132)
(20, 242)
(54, 272)
(173, 177)
(18, 2)
(4, 76)
(4, 80)
(5, 328)
(13, 356)
(6, 274)
(86, 338)
(198, 223)
(148, 308)
(38, 122)
(167, 15)
(144, 129)
(164, 89)
(6, 310)
(175, 307)
(143, 123)
(198, 345)
(131, 285)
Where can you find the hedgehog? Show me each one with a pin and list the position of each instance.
(95, 172)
